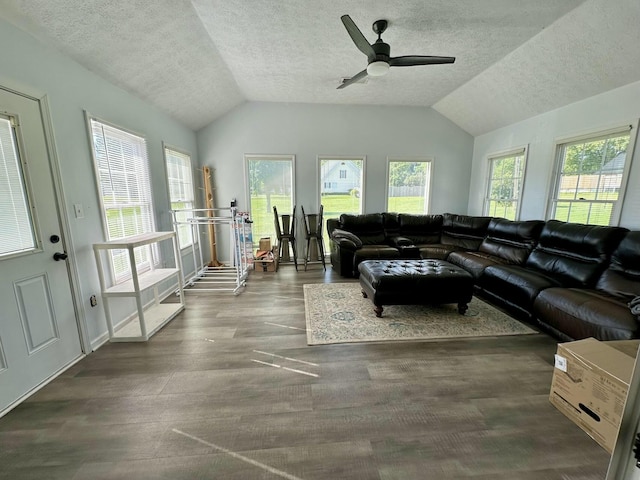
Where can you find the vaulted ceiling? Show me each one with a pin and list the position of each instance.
(198, 59)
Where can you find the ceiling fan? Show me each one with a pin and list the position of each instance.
(378, 53)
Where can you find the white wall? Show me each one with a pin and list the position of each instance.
(611, 109)
(308, 130)
(30, 66)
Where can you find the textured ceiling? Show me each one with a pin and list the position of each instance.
(198, 59)
(593, 49)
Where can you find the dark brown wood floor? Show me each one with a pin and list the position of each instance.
(198, 401)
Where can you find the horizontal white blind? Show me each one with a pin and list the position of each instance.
(16, 234)
(181, 190)
(122, 167)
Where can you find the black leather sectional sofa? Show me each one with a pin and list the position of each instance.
(573, 280)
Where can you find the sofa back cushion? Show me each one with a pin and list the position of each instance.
(511, 240)
(464, 231)
(622, 277)
(369, 227)
(421, 229)
(391, 224)
(573, 253)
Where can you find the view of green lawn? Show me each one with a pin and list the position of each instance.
(335, 205)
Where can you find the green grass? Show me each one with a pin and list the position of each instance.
(413, 205)
(335, 205)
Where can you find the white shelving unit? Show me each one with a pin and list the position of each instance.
(150, 318)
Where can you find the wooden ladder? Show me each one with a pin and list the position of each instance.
(208, 196)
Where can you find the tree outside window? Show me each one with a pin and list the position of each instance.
(504, 188)
(590, 179)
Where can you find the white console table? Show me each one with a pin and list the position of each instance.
(149, 318)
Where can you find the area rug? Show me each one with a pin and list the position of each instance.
(338, 313)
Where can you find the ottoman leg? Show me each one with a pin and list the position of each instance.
(378, 310)
(462, 308)
(364, 294)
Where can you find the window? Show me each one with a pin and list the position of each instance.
(504, 187)
(181, 196)
(270, 184)
(340, 194)
(408, 186)
(590, 178)
(343, 174)
(17, 234)
(122, 172)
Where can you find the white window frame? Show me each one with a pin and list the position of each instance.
(284, 157)
(146, 257)
(517, 151)
(362, 158)
(395, 158)
(593, 135)
(26, 189)
(183, 228)
(319, 160)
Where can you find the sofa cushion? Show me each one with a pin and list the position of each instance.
(574, 254)
(437, 251)
(622, 277)
(374, 252)
(515, 285)
(510, 240)
(474, 262)
(391, 224)
(464, 231)
(582, 313)
(369, 228)
(421, 229)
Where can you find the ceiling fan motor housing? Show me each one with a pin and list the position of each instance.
(383, 51)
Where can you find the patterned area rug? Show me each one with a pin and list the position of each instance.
(338, 313)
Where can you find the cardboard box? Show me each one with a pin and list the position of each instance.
(268, 263)
(264, 244)
(590, 384)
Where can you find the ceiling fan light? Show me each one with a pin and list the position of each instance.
(377, 69)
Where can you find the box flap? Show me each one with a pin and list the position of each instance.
(599, 355)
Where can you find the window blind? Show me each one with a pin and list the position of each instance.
(16, 234)
(181, 192)
(122, 167)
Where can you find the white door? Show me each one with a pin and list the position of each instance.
(39, 334)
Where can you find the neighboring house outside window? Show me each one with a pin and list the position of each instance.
(590, 178)
(181, 191)
(504, 185)
(122, 172)
(341, 180)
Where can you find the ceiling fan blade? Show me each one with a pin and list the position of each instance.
(411, 60)
(354, 79)
(358, 38)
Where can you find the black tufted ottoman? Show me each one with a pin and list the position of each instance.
(415, 282)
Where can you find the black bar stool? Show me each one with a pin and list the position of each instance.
(313, 235)
(286, 234)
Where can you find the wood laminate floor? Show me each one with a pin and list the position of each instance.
(231, 390)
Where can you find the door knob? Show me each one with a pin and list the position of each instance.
(59, 256)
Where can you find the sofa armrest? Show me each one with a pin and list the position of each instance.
(400, 241)
(346, 239)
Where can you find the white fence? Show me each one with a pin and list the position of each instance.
(404, 191)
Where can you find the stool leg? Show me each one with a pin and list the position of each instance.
(321, 247)
(295, 253)
(306, 257)
(378, 310)
(462, 308)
